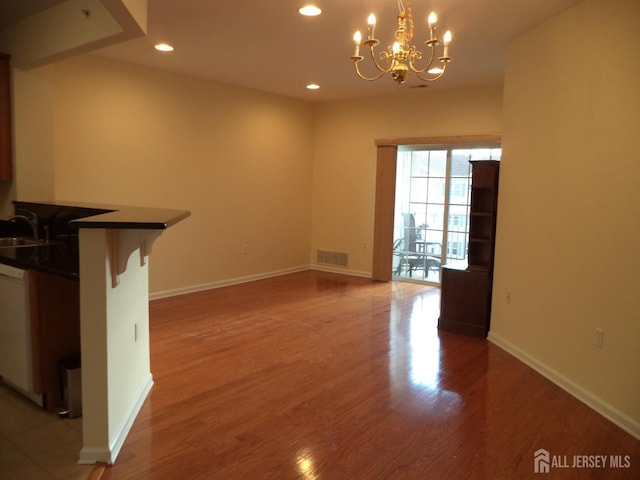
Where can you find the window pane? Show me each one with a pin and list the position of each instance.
(459, 190)
(435, 216)
(435, 186)
(438, 163)
(418, 189)
(419, 211)
(456, 246)
(433, 241)
(460, 166)
(419, 164)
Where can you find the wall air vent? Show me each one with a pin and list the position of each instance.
(340, 259)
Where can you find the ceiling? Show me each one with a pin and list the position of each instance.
(12, 11)
(268, 46)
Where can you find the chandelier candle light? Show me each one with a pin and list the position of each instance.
(402, 56)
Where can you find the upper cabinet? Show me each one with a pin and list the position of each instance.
(6, 170)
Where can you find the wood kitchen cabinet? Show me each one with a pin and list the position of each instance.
(465, 299)
(6, 169)
(55, 330)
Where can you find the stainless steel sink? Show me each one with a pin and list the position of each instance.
(19, 242)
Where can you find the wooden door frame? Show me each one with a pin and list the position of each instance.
(386, 161)
(383, 215)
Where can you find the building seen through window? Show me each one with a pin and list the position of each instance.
(433, 184)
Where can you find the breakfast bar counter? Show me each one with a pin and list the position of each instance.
(113, 244)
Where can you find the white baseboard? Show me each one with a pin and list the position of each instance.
(340, 270)
(91, 455)
(225, 283)
(253, 278)
(611, 413)
(34, 397)
(123, 431)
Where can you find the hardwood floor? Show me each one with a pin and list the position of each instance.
(321, 376)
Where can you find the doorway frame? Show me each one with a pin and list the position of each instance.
(385, 190)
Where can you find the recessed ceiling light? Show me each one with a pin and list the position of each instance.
(313, 86)
(310, 11)
(163, 47)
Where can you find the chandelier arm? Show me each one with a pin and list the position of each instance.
(427, 67)
(370, 79)
(384, 55)
(432, 79)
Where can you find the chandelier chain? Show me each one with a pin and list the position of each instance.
(410, 18)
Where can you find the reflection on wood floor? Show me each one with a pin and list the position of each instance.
(321, 376)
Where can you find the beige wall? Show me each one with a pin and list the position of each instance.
(568, 208)
(33, 134)
(32, 139)
(280, 176)
(344, 157)
(238, 159)
(285, 178)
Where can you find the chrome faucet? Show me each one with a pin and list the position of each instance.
(33, 222)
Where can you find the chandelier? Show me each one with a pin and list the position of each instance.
(402, 56)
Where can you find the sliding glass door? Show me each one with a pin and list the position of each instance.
(431, 219)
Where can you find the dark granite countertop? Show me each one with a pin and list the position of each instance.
(60, 256)
(119, 216)
(57, 258)
(134, 217)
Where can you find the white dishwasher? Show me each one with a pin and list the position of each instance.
(16, 363)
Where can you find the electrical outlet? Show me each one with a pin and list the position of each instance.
(599, 338)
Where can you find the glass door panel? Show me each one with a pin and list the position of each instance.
(419, 214)
(433, 196)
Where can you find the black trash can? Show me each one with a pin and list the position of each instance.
(70, 386)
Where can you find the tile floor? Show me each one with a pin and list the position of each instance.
(35, 444)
